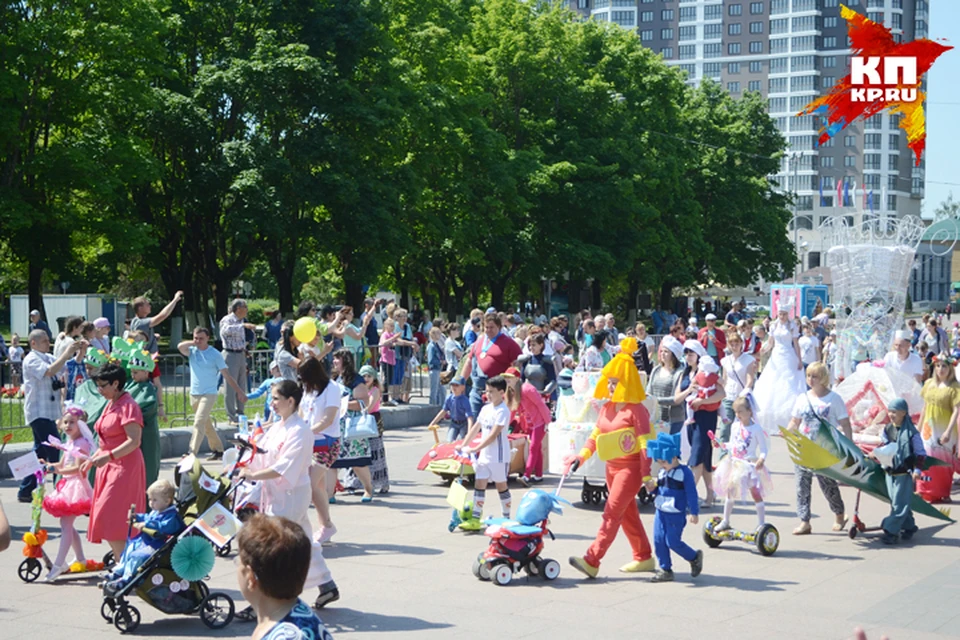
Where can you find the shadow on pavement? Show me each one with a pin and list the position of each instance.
(345, 550)
(734, 582)
(342, 620)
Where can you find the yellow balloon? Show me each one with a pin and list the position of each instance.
(305, 329)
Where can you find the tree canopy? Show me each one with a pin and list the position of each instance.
(456, 150)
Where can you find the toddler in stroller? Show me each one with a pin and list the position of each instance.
(168, 574)
(154, 528)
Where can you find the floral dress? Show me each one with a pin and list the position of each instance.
(353, 453)
(300, 624)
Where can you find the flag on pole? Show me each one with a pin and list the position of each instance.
(870, 201)
(865, 192)
(853, 194)
(883, 199)
(840, 192)
(846, 191)
(821, 191)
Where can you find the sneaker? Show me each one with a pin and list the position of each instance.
(696, 565)
(215, 456)
(24, 499)
(581, 565)
(888, 538)
(247, 615)
(723, 525)
(639, 566)
(524, 480)
(906, 534)
(325, 534)
(332, 500)
(55, 572)
(536, 478)
(328, 593)
(662, 576)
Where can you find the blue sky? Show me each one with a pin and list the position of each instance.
(943, 108)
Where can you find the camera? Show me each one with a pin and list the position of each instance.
(57, 384)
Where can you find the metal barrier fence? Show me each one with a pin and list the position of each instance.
(175, 381)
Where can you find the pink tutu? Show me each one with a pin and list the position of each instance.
(735, 477)
(71, 498)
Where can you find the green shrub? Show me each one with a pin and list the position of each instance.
(259, 309)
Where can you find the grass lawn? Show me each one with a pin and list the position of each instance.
(176, 405)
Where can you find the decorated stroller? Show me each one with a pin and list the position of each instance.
(172, 578)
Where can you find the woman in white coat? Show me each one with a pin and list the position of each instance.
(283, 469)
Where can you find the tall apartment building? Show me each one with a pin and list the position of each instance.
(791, 51)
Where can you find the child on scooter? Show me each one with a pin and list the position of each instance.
(493, 451)
(744, 470)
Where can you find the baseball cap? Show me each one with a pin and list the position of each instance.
(511, 372)
(34, 312)
(101, 323)
(459, 381)
(710, 316)
(491, 309)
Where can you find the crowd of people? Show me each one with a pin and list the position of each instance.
(727, 384)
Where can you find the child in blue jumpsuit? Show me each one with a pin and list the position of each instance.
(676, 493)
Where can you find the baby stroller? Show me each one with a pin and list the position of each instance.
(172, 578)
(515, 545)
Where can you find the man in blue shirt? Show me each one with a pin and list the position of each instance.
(206, 366)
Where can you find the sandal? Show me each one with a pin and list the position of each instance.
(803, 530)
(840, 525)
(247, 615)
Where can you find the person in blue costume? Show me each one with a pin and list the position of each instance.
(675, 492)
(154, 528)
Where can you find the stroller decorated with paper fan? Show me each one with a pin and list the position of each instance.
(172, 578)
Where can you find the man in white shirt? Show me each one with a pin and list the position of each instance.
(904, 360)
(41, 398)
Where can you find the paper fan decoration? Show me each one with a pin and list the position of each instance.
(193, 558)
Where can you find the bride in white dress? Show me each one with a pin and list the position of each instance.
(782, 380)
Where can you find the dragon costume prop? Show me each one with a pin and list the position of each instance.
(832, 455)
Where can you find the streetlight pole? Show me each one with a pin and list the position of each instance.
(795, 161)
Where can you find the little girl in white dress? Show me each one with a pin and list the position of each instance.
(744, 470)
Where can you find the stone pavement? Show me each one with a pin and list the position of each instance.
(401, 572)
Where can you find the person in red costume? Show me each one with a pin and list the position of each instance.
(624, 423)
(526, 401)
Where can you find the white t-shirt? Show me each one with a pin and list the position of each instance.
(313, 406)
(830, 408)
(912, 366)
(62, 344)
(736, 373)
(490, 417)
(808, 349)
(16, 354)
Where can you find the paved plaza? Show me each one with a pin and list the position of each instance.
(402, 575)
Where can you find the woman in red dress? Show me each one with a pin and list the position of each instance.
(121, 474)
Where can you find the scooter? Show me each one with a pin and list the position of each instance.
(766, 538)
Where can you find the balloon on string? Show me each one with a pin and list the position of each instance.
(305, 329)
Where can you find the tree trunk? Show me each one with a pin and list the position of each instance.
(282, 267)
(597, 301)
(35, 290)
(497, 288)
(221, 295)
(353, 292)
(633, 290)
(666, 296)
(459, 300)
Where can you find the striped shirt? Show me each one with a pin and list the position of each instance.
(232, 334)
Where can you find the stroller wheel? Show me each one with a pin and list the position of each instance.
(224, 551)
(29, 569)
(107, 609)
(585, 497)
(549, 569)
(109, 560)
(217, 610)
(203, 589)
(533, 567)
(126, 618)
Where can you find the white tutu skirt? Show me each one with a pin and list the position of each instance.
(778, 388)
(735, 477)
